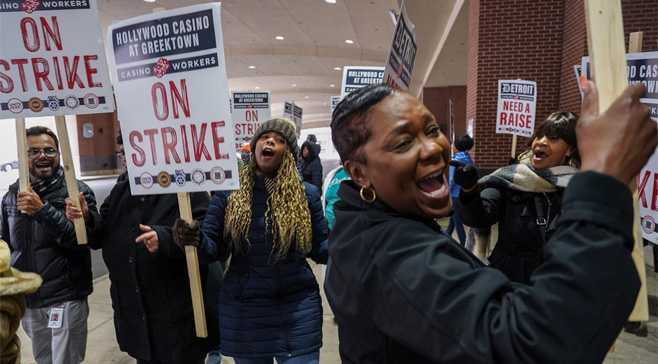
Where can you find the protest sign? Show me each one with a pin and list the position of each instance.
(171, 88)
(52, 60)
(335, 100)
(643, 68)
(517, 101)
(294, 113)
(49, 67)
(249, 110)
(355, 77)
(402, 54)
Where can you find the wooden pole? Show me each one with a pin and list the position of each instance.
(514, 146)
(641, 310)
(23, 169)
(193, 270)
(69, 174)
(605, 38)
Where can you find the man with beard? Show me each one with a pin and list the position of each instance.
(42, 240)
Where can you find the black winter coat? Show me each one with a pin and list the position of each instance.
(403, 291)
(151, 292)
(268, 308)
(45, 243)
(521, 232)
(312, 166)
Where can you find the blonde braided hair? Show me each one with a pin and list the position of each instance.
(287, 210)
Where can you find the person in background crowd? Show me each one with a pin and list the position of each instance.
(270, 301)
(329, 192)
(150, 288)
(14, 284)
(43, 241)
(311, 138)
(245, 154)
(403, 291)
(460, 149)
(311, 166)
(525, 199)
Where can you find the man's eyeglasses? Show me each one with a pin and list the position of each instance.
(48, 152)
(120, 153)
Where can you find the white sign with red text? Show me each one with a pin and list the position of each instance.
(517, 101)
(52, 60)
(643, 68)
(250, 109)
(172, 96)
(294, 113)
(402, 54)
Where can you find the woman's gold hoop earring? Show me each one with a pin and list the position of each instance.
(374, 195)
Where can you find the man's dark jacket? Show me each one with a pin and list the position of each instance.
(150, 293)
(45, 243)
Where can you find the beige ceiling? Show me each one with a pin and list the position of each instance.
(314, 44)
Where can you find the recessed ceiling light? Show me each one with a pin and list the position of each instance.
(349, 41)
(332, 85)
(337, 68)
(330, 1)
(306, 97)
(252, 67)
(279, 37)
(257, 88)
(324, 103)
(294, 85)
(149, 1)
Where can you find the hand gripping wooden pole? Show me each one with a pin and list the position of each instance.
(69, 174)
(193, 270)
(23, 169)
(605, 39)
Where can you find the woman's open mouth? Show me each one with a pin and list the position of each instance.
(268, 152)
(434, 185)
(539, 155)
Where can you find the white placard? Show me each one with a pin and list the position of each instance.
(517, 101)
(52, 60)
(335, 100)
(172, 95)
(643, 68)
(355, 77)
(294, 113)
(250, 109)
(402, 54)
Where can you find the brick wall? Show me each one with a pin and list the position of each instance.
(538, 41)
(471, 68)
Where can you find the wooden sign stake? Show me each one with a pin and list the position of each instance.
(641, 310)
(69, 174)
(23, 169)
(193, 270)
(605, 39)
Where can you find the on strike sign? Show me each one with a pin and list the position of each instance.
(250, 109)
(52, 60)
(171, 88)
(517, 101)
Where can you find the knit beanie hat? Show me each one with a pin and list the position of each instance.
(282, 126)
(463, 143)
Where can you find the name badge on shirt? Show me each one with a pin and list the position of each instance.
(56, 315)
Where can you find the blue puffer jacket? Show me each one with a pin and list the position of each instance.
(462, 157)
(267, 308)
